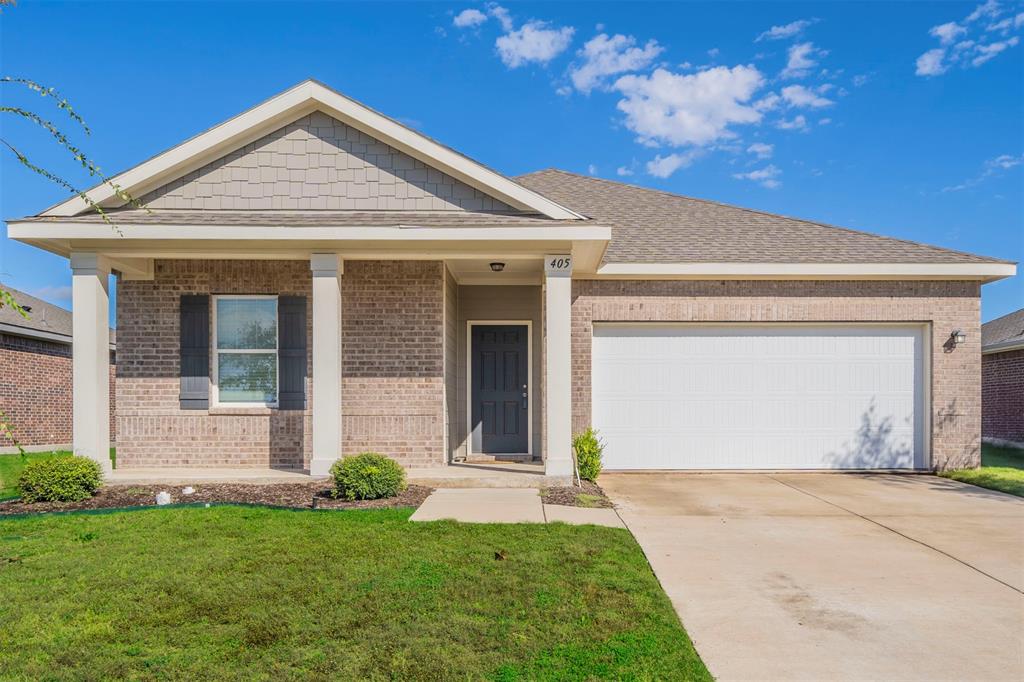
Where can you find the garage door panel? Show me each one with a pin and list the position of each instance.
(761, 397)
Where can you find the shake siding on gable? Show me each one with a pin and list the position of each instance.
(319, 163)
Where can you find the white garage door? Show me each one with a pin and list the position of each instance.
(759, 396)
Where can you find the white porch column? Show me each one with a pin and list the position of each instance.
(90, 353)
(327, 270)
(558, 364)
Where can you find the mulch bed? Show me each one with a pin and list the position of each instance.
(313, 495)
(570, 496)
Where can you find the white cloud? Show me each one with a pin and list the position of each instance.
(591, 169)
(860, 79)
(824, 121)
(664, 166)
(973, 50)
(53, 293)
(989, 51)
(689, 109)
(768, 102)
(799, 96)
(992, 167)
(624, 171)
(947, 33)
(714, 52)
(766, 177)
(468, 18)
(502, 15)
(801, 59)
(762, 150)
(989, 9)
(533, 42)
(603, 56)
(785, 31)
(931, 63)
(796, 123)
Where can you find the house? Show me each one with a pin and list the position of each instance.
(1002, 379)
(311, 278)
(35, 374)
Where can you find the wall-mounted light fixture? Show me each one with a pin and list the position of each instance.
(957, 337)
(497, 267)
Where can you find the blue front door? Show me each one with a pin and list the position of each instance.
(499, 389)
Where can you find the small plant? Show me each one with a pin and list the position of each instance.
(588, 449)
(367, 476)
(60, 479)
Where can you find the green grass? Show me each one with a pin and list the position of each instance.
(254, 593)
(11, 467)
(1001, 469)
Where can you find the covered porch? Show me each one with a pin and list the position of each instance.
(385, 370)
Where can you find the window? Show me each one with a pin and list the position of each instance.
(245, 343)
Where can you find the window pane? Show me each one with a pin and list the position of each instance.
(248, 323)
(247, 377)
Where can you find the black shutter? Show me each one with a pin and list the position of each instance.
(291, 352)
(195, 353)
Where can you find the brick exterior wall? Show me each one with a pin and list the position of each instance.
(392, 370)
(955, 374)
(35, 392)
(1002, 395)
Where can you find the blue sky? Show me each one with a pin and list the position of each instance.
(898, 118)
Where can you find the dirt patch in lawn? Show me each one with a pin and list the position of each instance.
(313, 495)
(587, 495)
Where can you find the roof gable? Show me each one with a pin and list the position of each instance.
(286, 108)
(319, 162)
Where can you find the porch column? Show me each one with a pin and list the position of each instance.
(327, 270)
(90, 354)
(558, 368)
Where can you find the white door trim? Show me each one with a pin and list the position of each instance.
(469, 382)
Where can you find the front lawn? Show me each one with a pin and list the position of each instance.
(256, 593)
(1001, 469)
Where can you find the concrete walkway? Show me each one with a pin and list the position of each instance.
(507, 505)
(836, 576)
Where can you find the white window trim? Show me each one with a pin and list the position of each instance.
(216, 351)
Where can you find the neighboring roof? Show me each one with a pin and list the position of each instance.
(46, 321)
(1003, 333)
(652, 226)
(314, 218)
(286, 107)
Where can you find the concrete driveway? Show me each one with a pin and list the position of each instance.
(836, 576)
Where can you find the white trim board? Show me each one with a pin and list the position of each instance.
(469, 384)
(288, 106)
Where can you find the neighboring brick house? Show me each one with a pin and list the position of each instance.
(35, 374)
(310, 279)
(1002, 379)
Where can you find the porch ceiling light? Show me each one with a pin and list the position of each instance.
(497, 267)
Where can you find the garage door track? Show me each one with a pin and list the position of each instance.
(836, 576)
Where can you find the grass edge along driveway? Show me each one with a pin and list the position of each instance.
(1001, 469)
(256, 593)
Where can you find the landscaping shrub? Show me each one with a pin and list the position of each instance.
(588, 449)
(60, 479)
(367, 476)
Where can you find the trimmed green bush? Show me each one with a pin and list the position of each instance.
(367, 476)
(60, 479)
(588, 449)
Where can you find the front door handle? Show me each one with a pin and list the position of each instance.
(525, 394)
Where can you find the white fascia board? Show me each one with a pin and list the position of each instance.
(285, 108)
(35, 230)
(27, 332)
(987, 272)
(1003, 347)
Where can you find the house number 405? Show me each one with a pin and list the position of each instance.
(559, 263)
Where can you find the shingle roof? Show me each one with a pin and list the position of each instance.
(652, 226)
(43, 316)
(316, 218)
(1005, 329)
